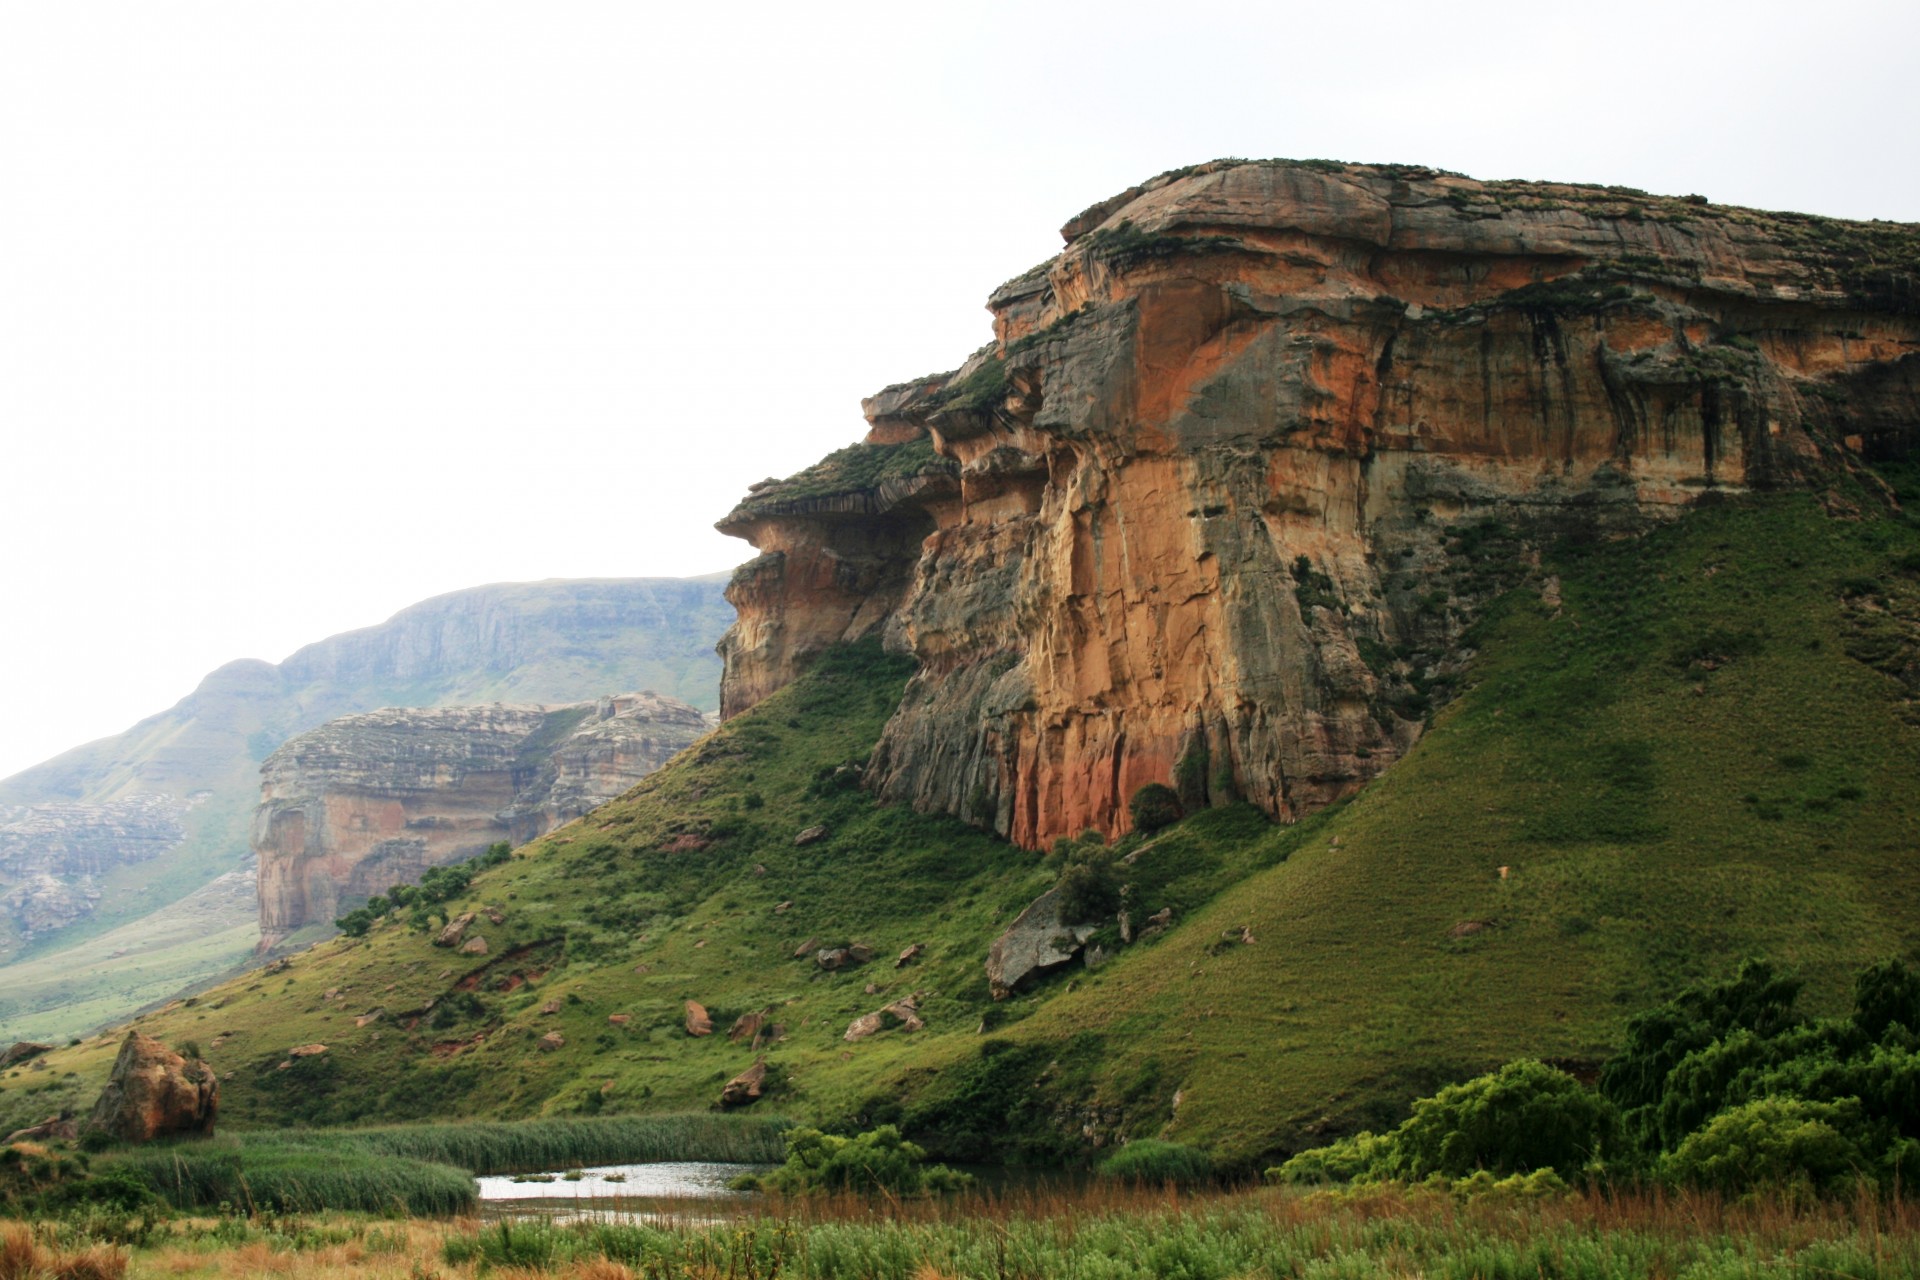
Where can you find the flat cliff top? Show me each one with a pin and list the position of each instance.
(1408, 208)
(1304, 236)
(365, 740)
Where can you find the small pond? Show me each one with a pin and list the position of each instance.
(631, 1192)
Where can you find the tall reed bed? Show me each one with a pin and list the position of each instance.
(565, 1142)
(1134, 1235)
(254, 1173)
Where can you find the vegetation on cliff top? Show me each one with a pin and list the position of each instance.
(857, 471)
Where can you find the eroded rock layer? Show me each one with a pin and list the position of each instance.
(1216, 505)
(53, 857)
(369, 801)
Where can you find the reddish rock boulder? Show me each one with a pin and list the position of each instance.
(52, 1129)
(21, 1051)
(155, 1092)
(745, 1087)
(698, 1021)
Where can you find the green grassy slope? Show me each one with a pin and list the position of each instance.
(554, 641)
(1706, 752)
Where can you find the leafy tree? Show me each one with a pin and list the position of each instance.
(1089, 890)
(1772, 1142)
(1154, 806)
(1884, 995)
(355, 923)
(1756, 999)
(1523, 1117)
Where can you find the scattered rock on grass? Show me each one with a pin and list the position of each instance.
(455, 930)
(21, 1051)
(745, 1087)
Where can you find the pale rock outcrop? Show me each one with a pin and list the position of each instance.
(1037, 942)
(1216, 505)
(369, 801)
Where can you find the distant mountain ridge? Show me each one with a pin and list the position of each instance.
(194, 768)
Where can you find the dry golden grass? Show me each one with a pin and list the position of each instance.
(22, 1257)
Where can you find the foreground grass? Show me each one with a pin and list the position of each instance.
(1112, 1235)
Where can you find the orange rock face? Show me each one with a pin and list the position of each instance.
(154, 1092)
(1215, 506)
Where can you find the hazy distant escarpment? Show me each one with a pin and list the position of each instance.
(369, 801)
(98, 840)
(1219, 502)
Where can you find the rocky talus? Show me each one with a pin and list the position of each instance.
(368, 801)
(1217, 504)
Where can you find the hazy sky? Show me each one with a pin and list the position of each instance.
(312, 310)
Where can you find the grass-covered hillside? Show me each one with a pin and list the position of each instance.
(1706, 750)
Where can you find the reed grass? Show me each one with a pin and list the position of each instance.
(285, 1175)
(564, 1142)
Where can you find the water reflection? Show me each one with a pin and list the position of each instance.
(678, 1191)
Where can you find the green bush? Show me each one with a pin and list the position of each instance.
(1350, 1159)
(1771, 1142)
(1154, 806)
(1088, 891)
(879, 1161)
(1153, 1161)
(1523, 1117)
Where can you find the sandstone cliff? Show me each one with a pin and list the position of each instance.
(1217, 503)
(368, 801)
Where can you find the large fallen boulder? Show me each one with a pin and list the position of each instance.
(155, 1092)
(1037, 942)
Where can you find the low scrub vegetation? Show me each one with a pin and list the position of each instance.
(1725, 1088)
(880, 1162)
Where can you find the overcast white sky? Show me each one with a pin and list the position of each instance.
(312, 310)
